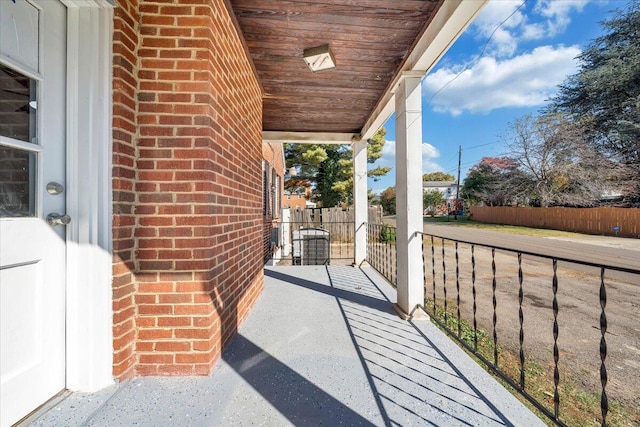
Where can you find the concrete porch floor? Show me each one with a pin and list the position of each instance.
(322, 346)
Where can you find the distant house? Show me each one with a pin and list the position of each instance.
(448, 190)
(297, 198)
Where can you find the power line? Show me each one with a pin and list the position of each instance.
(473, 162)
(481, 145)
(479, 56)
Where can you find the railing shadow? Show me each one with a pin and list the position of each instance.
(412, 382)
(358, 298)
(295, 397)
(415, 380)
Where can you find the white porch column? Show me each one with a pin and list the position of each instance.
(360, 204)
(409, 193)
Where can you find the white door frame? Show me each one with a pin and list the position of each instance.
(89, 334)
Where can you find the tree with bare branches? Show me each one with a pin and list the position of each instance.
(561, 167)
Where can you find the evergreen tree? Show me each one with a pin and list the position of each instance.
(603, 98)
(329, 169)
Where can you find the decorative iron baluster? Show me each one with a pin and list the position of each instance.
(387, 251)
(424, 273)
(458, 290)
(343, 237)
(444, 282)
(521, 317)
(556, 351)
(604, 401)
(433, 273)
(494, 284)
(378, 242)
(395, 252)
(378, 249)
(369, 247)
(385, 257)
(383, 254)
(473, 291)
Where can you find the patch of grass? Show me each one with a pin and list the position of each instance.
(464, 221)
(578, 407)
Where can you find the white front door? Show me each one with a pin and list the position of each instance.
(32, 186)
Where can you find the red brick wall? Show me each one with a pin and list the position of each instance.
(294, 201)
(197, 253)
(125, 133)
(273, 154)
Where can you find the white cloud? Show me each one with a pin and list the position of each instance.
(429, 154)
(489, 23)
(510, 22)
(527, 80)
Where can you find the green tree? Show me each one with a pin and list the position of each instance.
(603, 97)
(374, 152)
(494, 181)
(432, 200)
(329, 169)
(438, 176)
(388, 201)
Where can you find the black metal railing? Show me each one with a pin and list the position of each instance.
(316, 242)
(539, 322)
(523, 312)
(381, 250)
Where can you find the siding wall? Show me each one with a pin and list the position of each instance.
(187, 210)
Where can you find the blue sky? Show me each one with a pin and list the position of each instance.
(507, 64)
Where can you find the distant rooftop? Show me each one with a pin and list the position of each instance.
(438, 183)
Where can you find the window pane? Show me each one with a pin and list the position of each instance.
(17, 182)
(17, 105)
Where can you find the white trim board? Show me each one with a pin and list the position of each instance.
(451, 19)
(89, 339)
(309, 137)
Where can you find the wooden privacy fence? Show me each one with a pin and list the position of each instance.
(338, 221)
(610, 221)
(333, 215)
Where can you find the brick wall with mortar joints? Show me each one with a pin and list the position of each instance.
(198, 206)
(125, 132)
(273, 154)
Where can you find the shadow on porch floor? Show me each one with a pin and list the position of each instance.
(321, 347)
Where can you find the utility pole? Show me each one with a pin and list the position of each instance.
(455, 215)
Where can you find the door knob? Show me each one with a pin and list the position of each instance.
(57, 219)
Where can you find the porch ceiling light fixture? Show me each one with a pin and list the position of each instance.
(319, 58)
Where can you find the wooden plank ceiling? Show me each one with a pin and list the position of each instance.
(369, 39)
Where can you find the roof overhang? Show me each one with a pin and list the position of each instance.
(375, 47)
(450, 21)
